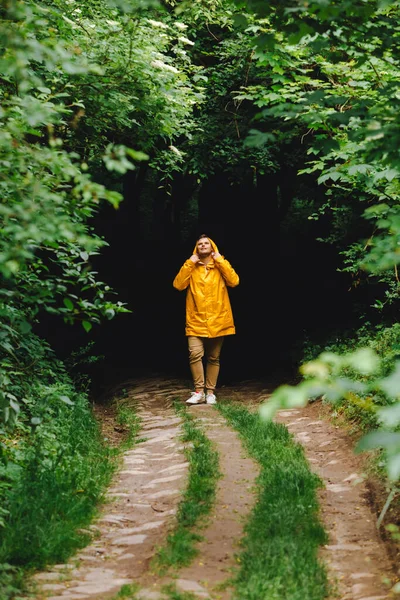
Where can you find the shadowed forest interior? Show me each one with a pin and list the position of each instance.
(290, 288)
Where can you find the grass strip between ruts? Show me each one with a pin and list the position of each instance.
(198, 498)
(130, 591)
(279, 556)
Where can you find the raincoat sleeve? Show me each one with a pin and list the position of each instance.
(182, 280)
(227, 271)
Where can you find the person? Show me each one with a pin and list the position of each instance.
(209, 319)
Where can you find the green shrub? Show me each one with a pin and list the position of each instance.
(54, 468)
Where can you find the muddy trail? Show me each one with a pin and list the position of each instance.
(141, 505)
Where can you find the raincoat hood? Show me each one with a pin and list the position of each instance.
(208, 308)
(213, 245)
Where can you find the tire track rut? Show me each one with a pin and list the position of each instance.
(142, 503)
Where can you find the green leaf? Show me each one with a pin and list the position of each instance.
(287, 396)
(393, 466)
(68, 303)
(389, 415)
(382, 4)
(334, 175)
(364, 361)
(379, 439)
(240, 21)
(354, 169)
(137, 155)
(15, 406)
(66, 400)
(268, 409)
(110, 313)
(25, 327)
(86, 325)
(256, 139)
(391, 384)
(265, 41)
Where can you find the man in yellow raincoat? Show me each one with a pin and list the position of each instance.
(205, 276)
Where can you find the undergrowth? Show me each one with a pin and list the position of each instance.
(55, 467)
(361, 410)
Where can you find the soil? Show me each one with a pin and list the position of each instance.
(139, 511)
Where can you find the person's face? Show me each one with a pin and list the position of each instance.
(204, 247)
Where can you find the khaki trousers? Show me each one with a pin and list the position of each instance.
(211, 348)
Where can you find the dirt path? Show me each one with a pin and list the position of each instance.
(143, 501)
(355, 554)
(234, 499)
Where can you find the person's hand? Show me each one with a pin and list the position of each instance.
(215, 254)
(195, 258)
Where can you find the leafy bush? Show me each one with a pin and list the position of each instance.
(54, 466)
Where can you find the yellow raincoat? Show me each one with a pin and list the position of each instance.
(208, 308)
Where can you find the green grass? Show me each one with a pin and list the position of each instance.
(278, 559)
(198, 498)
(59, 485)
(127, 592)
(174, 594)
(65, 470)
(127, 417)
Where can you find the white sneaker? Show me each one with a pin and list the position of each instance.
(196, 398)
(211, 399)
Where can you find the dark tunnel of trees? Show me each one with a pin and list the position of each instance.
(290, 287)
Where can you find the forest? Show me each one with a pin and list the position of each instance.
(129, 128)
